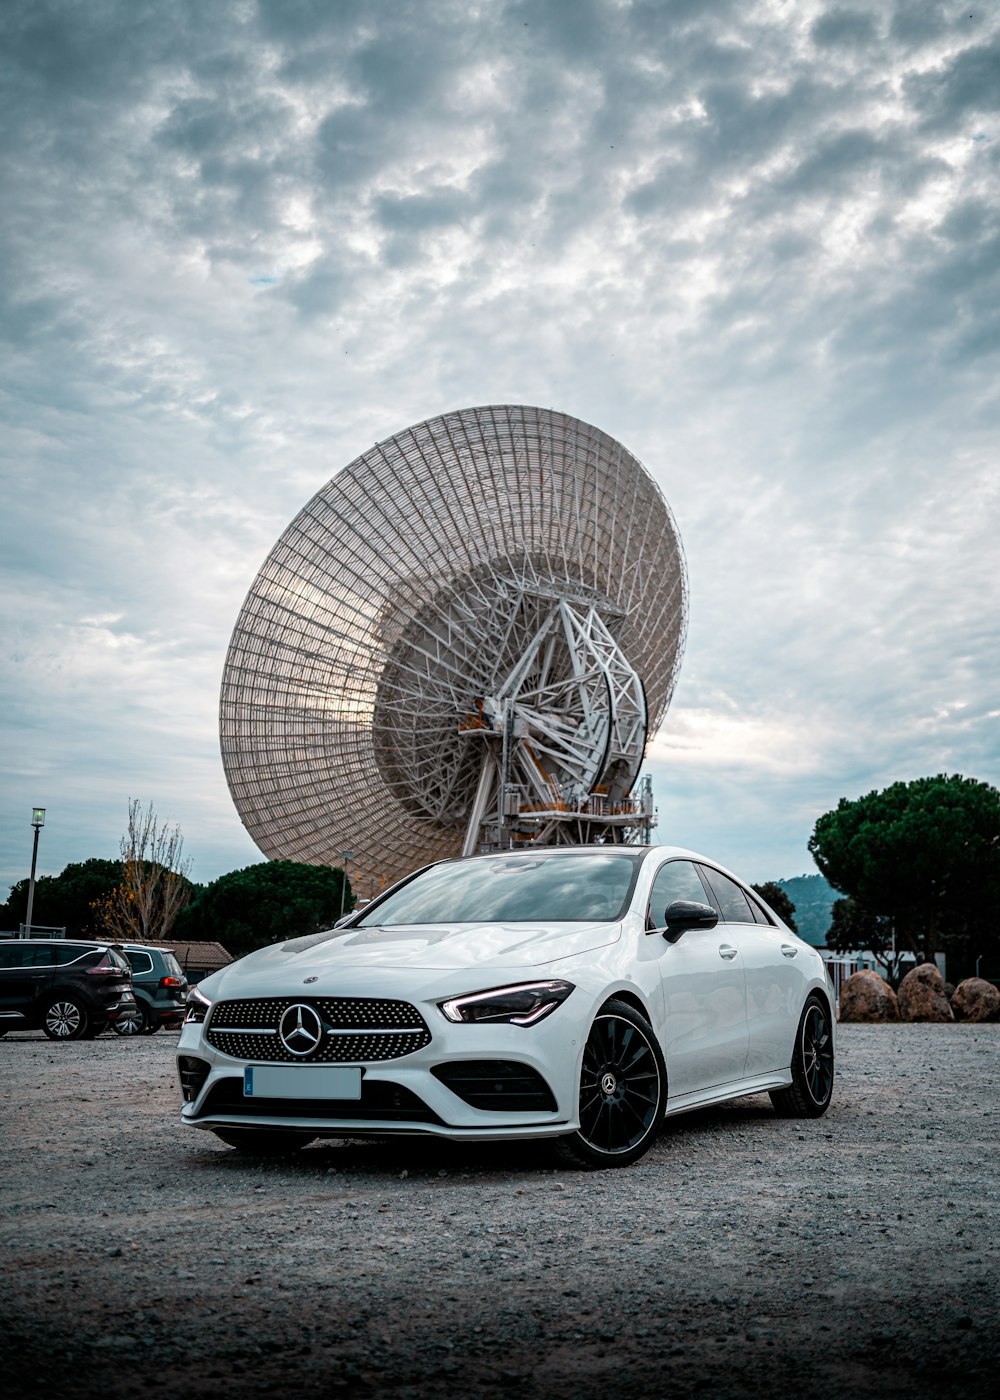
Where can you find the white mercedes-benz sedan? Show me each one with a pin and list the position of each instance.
(573, 993)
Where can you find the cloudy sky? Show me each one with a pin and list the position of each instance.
(759, 243)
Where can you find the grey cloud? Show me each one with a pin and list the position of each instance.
(968, 85)
(201, 125)
(301, 20)
(783, 302)
(843, 29)
(835, 162)
(967, 220)
(575, 30)
(919, 23)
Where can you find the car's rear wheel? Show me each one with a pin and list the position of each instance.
(153, 1023)
(264, 1142)
(131, 1023)
(623, 1091)
(809, 1094)
(65, 1019)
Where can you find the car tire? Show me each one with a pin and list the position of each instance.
(152, 1022)
(809, 1094)
(623, 1091)
(132, 1023)
(264, 1142)
(65, 1018)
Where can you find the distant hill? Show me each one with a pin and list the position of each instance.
(813, 897)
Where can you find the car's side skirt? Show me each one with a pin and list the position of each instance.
(719, 1093)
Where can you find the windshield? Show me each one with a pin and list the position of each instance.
(512, 889)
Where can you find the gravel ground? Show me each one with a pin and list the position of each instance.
(853, 1255)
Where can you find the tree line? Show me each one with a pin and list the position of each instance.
(146, 896)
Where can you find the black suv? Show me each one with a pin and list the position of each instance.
(69, 988)
(160, 989)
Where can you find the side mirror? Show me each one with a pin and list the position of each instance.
(684, 914)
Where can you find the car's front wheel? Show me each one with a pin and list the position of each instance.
(809, 1094)
(623, 1091)
(65, 1019)
(264, 1142)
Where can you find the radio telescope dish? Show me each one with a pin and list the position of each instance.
(463, 641)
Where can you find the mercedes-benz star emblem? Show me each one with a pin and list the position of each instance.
(608, 1084)
(300, 1030)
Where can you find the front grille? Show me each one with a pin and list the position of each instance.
(380, 1102)
(356, 1030)
(498, 1085)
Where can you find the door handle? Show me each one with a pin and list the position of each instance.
(727, 951)
(789, 950)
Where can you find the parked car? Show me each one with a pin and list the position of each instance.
(71, 989)
(575, 993)
(160, 989)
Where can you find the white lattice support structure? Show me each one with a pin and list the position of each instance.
(481, 614)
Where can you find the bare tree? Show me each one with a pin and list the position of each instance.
(155, 885)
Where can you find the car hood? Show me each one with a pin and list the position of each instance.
(423, 947)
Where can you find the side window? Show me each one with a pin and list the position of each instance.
(733, 904)
(11, 956)
(69, 953)
(141, 962)
(42, 957)
(758, 914)
(678, 879)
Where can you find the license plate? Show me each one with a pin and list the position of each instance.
(301, 1082)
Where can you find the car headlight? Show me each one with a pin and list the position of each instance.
(198, 1007)
(523, 1005)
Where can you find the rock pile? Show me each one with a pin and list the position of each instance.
(921, 995)
(865, 996)
(976, 1000)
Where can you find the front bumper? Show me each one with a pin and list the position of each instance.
(426, 1091)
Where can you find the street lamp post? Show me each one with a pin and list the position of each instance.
(37, 821)
(345, 857)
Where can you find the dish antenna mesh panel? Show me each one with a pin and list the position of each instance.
(464, 639)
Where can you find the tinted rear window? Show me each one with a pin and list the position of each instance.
(173, 967)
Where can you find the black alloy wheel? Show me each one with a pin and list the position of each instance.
(809, 1094)
(623, 1091)
(65, 1019)
(264, 1142)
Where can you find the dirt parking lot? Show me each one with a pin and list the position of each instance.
(745, 1255)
